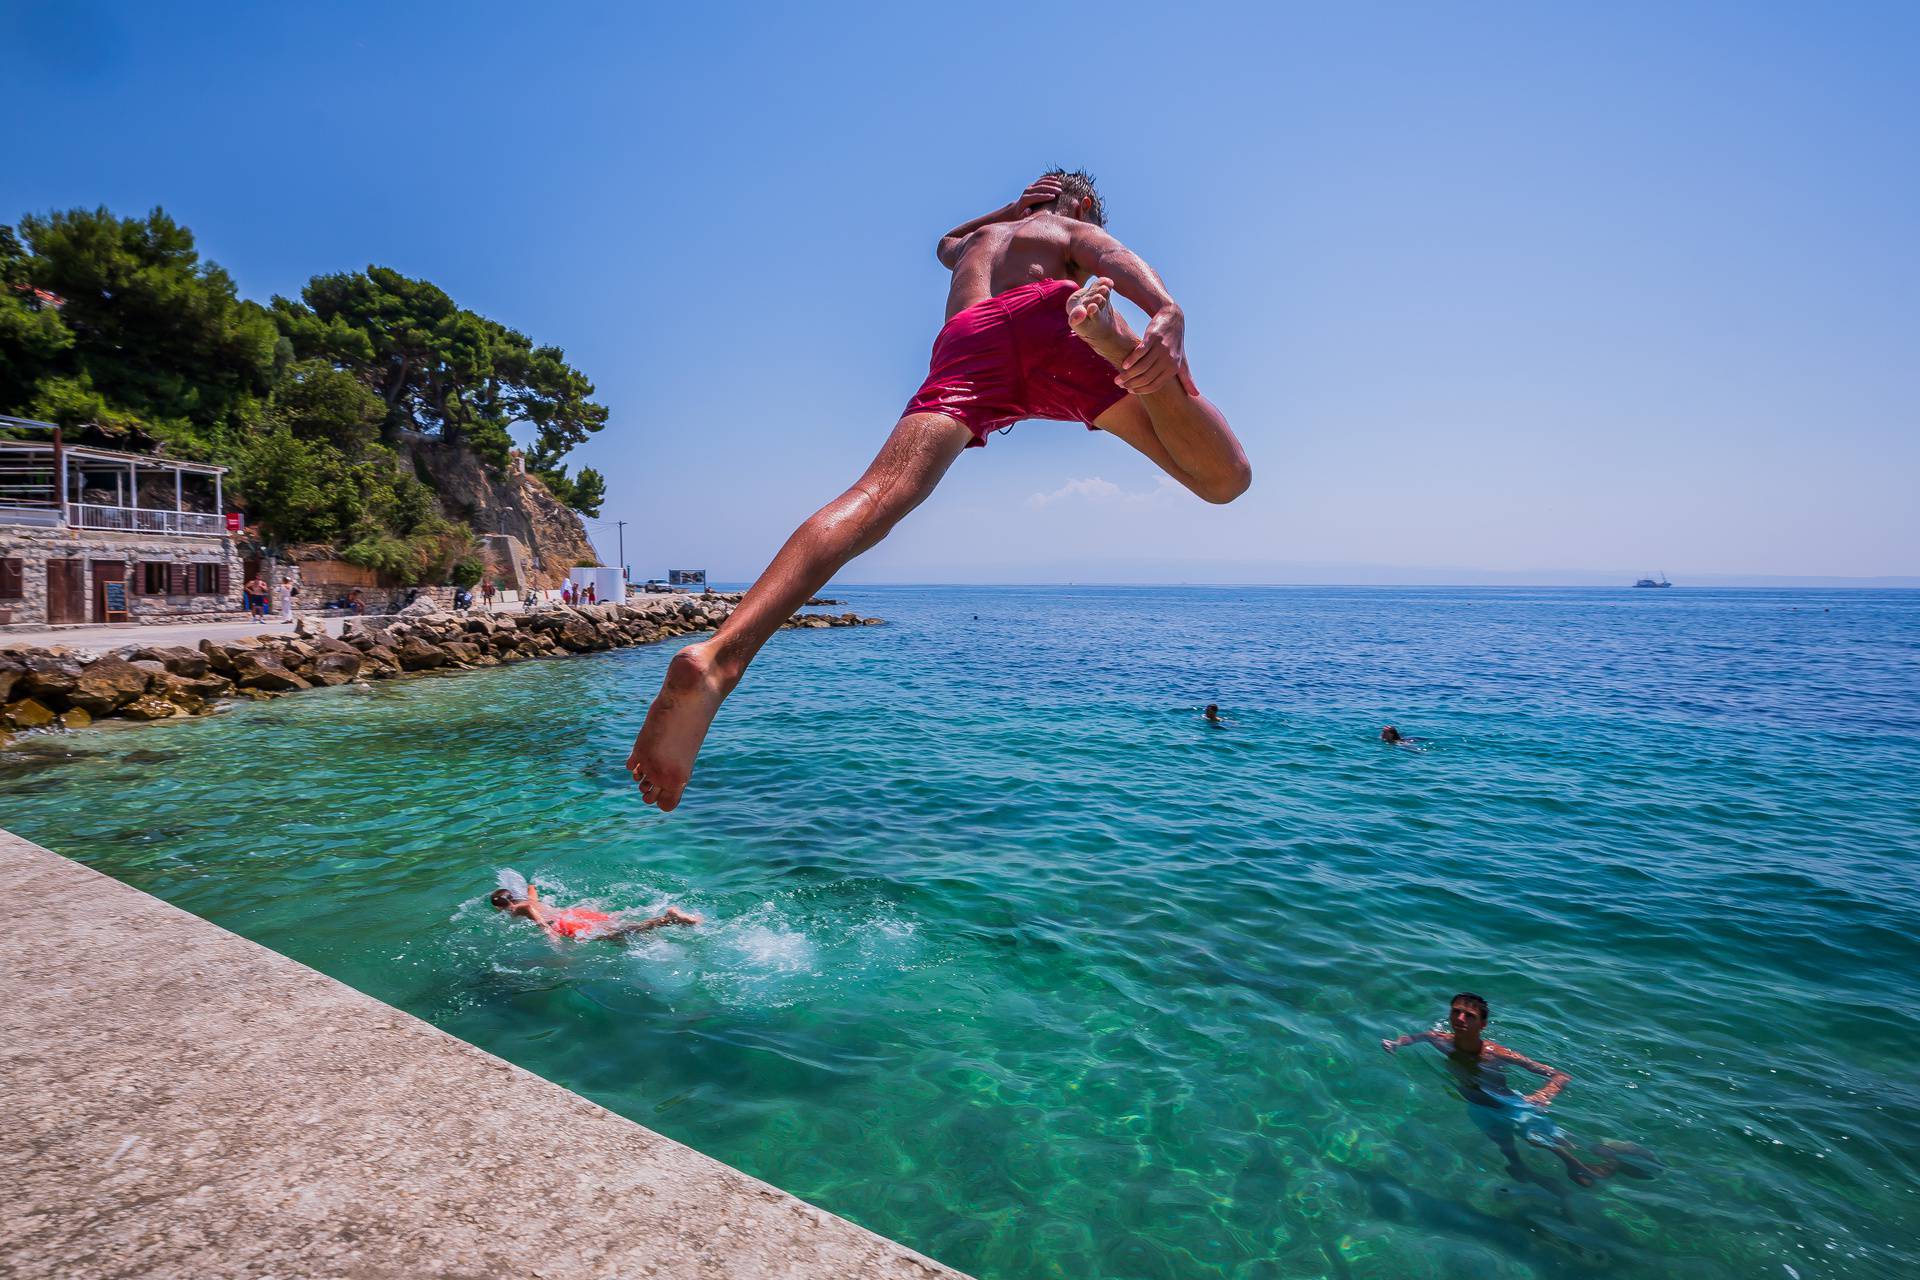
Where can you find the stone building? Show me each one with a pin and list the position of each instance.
(95, 535)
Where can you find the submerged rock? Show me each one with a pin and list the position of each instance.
(27, 713)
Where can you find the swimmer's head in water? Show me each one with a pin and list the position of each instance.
(1467, 1012)
(1213, 711)
(1389, 734)
(1078, 199)
(500, 899)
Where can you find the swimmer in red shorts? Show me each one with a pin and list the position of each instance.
(1031, 332)
(582, 924)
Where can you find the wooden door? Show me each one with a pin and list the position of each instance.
(105, 571)
(66, 591)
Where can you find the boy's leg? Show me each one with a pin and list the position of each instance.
(672, 915)
(1183, 434)
(909, 465)
(1579, 1170)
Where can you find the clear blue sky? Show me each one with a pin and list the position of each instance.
(1542, 290)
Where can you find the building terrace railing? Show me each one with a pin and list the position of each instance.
(90, 515)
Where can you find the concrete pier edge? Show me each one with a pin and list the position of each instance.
(184, 1102)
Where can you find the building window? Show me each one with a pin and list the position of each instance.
(153, 577)
(206, 579)
(12, 579)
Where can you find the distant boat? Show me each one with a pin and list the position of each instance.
(1649, 582)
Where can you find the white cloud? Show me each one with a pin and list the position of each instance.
(1102, 491)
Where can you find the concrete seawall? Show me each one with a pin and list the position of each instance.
(183, 1102)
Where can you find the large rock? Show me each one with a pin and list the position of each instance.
(177, 690)
(149, 707)
(460, 651)
(335, 668)
(220, 657)
(27, 713)
(424, 606)
(74, 718)
(259, 669)
(108, 684)
(12, 670)
(579, 635)
(206, 688)
(178, 659)
(501, 500)
(415, 654)
(327, 644)
(48, 674)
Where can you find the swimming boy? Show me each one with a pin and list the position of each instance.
(1479, 1076)
(582, 924)
(1031, 332)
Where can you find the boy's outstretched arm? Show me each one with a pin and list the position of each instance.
(1041, 191)
(535, 912)
(1162, 350)
(1401, 1042)
(1556, 1078)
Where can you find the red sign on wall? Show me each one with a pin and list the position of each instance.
(233, 522)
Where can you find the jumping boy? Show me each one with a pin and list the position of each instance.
(1031, 332)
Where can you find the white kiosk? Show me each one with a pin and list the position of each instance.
(609, 585)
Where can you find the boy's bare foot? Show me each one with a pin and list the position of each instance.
(1092, 315)
(676, 724)
(676, 916)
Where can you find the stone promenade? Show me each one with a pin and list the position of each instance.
(184, 1103)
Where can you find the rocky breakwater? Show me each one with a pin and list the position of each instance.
(48, 688)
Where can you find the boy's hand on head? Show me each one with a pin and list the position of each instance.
(1040, 191)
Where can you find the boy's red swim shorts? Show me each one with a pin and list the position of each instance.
(1011, 357)
(575, 922)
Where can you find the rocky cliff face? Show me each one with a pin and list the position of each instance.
(507, 501)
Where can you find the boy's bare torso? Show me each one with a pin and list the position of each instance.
(1006, 255)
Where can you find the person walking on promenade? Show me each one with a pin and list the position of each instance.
(486, 594)
(1031, 332)
(289, 595)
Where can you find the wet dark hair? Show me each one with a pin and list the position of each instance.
(1077, 183)
(500, 899)
(1474, 1003)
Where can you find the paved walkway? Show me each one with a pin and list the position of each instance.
(184, 1103)
(100, 638)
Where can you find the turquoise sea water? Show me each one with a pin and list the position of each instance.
(1013, 958)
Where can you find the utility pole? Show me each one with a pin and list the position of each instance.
(621, 526)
